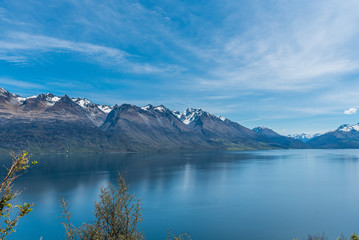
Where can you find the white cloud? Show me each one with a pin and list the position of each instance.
(19, 47)
(306, 51)
(352, 110)
(17, 83)
(17, 42)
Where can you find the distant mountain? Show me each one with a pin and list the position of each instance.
(266, 132)
(58, 124)
(151, 127)
(212, 126)
(96, 113)
(50, 123)
(48, 107)
(304, 137)
(276, 140)
(346, 136)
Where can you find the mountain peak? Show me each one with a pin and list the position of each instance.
(304, 137)
(105, 108)
(160, 108)
(49, 98)
(193, 110)
(3, 90)
(190, 115)
(265, 131)
(5, 93)
(348, 128)
(177, 114)
(147, 107)
(83, 102)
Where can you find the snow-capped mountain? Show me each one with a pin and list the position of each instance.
(265, 131)
(150, 127)
(304, 137)
(48, 106)
(49, 98)
(348, 127)
(159, 108)
(192, 114)
(345, 136)
(12, 98)
(97, 113)
(87, 104)
(49, 122)
(177, 114)
(105, 108)
(275, 139)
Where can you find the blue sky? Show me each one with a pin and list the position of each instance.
(290, 65)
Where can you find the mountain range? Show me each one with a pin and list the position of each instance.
(304, 137)
(49, 123)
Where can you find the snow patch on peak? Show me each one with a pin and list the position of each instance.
(2, 90)
(20, 99)
(55, 99)
(50, 98)
(160, 108)
(261, 127)
(304, 137)
(23, 99)
(5, 93)
(177, 114)
(105, 108)
(348, 128)
(82, 102)
(191, 114)
(87, 104)
(193, 110)
(222, 118)
(147, 107)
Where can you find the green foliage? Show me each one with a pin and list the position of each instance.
(11, 214)
(183, 236)
(341, 237)
(117, 215)
(323, 237)
(354, 237)
(317, 237)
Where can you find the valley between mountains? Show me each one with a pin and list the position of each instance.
(48, 123)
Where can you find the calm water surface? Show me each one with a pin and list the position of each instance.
(279, 194)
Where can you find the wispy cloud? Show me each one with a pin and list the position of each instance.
(299, 53)
(4, 81)
(352, 110)
(20, 47)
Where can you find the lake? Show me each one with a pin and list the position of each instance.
(272, 194)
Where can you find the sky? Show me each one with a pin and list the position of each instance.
(292, 66)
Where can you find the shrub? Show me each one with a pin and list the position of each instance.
(117, 215)
(13, 213)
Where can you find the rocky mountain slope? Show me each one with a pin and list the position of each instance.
(346, 136)
(52, 123)
(304, 137)
(276, 140)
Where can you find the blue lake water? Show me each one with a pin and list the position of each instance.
(276, 194)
